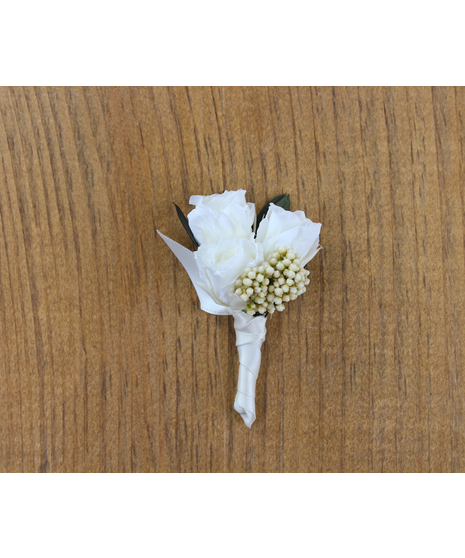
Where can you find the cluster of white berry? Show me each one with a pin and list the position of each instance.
(264, 288)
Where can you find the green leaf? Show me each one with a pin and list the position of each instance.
(185, 224)
(282, 200)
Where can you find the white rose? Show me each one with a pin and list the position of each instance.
(290, 229)
(222, 262)
(225, 215)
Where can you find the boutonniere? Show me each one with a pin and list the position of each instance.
(248, 266)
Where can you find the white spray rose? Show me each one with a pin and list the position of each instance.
(221, 263)
(225, 215)
(291, 229)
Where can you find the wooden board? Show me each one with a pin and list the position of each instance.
(107, 363)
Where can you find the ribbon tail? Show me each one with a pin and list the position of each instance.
(187, 259)
(250, 334)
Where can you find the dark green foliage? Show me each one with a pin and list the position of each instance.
(185, 224)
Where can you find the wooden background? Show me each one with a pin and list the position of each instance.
(107, 363)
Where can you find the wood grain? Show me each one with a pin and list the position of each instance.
(107, 363)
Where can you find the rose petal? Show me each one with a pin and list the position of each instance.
(221, 263)
(225, 215)
(290, 229)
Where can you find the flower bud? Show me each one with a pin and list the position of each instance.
(264, 288)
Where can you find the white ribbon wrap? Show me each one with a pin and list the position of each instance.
(250, 334)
